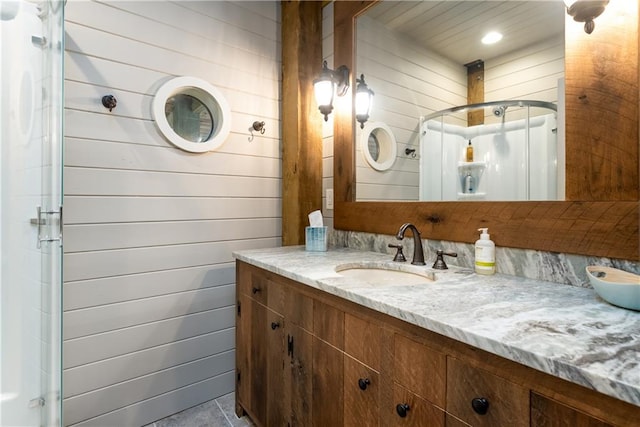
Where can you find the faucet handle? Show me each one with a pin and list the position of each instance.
(399, 255)
(439, 264)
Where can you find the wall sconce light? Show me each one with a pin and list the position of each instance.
(364, 99)
(329, 84)
(585, 11)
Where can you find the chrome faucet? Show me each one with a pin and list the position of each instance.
(418, 253)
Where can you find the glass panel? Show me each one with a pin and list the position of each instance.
(189, 118)
(51, 201)
(30, 176)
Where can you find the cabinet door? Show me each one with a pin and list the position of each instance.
(299, 392)
(410, 409)
(328, 398)
(361, 394)
(420, 369)
(480, 398)
(243, 353)
(549, 413)
(261, 362)
(362, 340)
(275, 372)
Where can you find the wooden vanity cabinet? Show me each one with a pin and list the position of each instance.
(307, 358)
(273, 375)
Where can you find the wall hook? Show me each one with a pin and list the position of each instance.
(410, 152)
(258, 127)
(109, 101)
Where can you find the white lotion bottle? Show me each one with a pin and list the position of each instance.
(485, 254)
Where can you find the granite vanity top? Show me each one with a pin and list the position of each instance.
(565, 331)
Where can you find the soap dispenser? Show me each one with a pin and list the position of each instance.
(485, 253)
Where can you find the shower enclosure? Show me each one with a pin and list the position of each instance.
(31, 76)
(518, 152)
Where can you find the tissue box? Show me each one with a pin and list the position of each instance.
(316, 238)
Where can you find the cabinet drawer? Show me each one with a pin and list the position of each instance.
(549, 413)
(362, 340)
(262, 288)
(420, 369)
(328, 324)
(483, 399)
(361, 394)
(409, 409)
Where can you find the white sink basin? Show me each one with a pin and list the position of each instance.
(376, 274)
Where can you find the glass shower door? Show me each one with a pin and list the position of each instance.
(31, 76)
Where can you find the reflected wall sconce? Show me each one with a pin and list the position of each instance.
(585, 11)
(329, 84)
(364, 99)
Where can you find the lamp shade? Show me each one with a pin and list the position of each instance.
(363, 102)
(324, 90)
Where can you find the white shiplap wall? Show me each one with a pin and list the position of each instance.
(149, 279)
(409, 81)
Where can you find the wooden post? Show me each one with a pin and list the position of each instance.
(601, 72)
(475, 91)
(301, 121)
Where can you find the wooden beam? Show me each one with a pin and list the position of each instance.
(475, 91)
(602, 142)
(301, 122)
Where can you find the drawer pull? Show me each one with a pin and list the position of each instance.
(275, 325)
(402, 409)
(363, 383)
(255, 290)
(480, 405)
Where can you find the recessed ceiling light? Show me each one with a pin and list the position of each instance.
(492, 37)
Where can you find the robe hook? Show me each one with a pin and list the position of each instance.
(109, 101)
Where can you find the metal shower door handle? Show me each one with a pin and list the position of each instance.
(40, 221)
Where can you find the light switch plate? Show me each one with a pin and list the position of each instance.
(329, 196)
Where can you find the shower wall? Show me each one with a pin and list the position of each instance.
(149, 304)
(516, 160)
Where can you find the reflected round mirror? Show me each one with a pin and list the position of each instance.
(374, 147)
(189, 117)
(378, 145)
(192, 114)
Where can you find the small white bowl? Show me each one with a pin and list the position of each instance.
(618, 287)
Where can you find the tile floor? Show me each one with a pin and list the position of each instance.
(215, 413)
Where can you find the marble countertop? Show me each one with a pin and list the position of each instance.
(565, 331)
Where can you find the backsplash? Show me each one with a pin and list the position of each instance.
(567, 269)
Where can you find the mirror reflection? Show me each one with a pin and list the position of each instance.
(189, 118)
(427, 64)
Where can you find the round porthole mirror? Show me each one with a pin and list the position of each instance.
(192, 114)
(378, 145)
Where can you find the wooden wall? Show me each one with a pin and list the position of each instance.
(149, 279)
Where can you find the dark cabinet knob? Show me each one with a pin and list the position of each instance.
(363, 383)
(402, 409)
(275, 325)
(255, 290)
(480, 405)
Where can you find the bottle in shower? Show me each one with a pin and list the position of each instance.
(469, 156)
(469, 183)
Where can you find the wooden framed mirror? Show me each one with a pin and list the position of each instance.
(600, 216)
